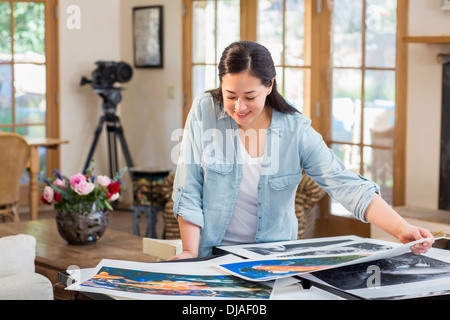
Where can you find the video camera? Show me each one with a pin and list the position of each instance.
(108, 73)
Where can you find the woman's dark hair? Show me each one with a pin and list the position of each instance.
(254, 57)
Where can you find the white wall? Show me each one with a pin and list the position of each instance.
(97, 39)
(147, 114)
(424, 103)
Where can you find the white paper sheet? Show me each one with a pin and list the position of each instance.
(272, 267)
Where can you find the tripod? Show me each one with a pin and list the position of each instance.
(111, 97)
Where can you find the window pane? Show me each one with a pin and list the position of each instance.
(294, 33)
(294, 87)
(228, 24)
(379, 108)
(203, 31)
(381, 28)
(29, 32)
(5, 31)
(279, 78)
(6, 94)
(205, 78)
(347, 33)
(32, 131)
(30, 89)
(378, 167)
(270, 27)
(349, 155)
(346, 106)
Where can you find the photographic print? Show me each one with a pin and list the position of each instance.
(294, 247)
(363, 247)
(406, 268)
(264, 270)
(148, 36)
(401, 277)
(151, 283)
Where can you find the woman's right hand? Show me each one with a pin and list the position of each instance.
(183, 255)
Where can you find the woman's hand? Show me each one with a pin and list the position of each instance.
(183, 255)
(382, 215)
(412, 233)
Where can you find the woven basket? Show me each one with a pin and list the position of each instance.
(171, 230)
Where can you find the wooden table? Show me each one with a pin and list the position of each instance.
(54, 255)
(33, 166)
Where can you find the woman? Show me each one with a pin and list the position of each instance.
(242, 154)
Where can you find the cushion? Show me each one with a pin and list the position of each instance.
(17, 254)
(25, 286)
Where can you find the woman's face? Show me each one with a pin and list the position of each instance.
(244, 98)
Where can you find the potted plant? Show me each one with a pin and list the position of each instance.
(82, 202)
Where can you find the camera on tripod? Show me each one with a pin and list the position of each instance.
(103, 80)
(108, 73)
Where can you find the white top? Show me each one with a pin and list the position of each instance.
(243, 224)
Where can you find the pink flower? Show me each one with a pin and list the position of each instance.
(84, 188)
(104, 181)
(76, 179)
(48, 194)
(60, 183)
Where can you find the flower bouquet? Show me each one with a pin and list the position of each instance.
(63, 193)
(81, 203)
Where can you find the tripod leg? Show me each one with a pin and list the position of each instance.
(94, 143)
(112, 148)
(124, 145)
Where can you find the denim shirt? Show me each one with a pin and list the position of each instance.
(209, 173)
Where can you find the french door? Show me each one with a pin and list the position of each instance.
(341, 63)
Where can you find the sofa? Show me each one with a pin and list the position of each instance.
(18, 280)
(306, 207)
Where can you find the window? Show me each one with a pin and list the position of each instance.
(210, 25)
(28, 71)
(363, 41)
(281, 29)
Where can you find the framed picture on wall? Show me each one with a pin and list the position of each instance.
(445, 5)
(148, 36)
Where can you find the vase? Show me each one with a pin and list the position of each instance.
(83, 223)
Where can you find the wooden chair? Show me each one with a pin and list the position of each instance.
(13, 160)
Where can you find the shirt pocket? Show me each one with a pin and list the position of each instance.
(284, 181)
(216, 165)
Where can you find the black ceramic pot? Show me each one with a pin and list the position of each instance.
(83, 224)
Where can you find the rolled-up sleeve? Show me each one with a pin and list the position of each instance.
(351, 190)
(188, 183)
